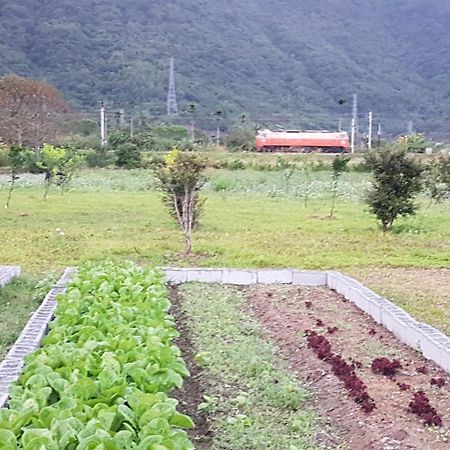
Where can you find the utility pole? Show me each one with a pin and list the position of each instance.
(131, 126)
(121, 119)
(354, 130)
(353, 133)
(410, 127)
(218, 134)
(379, 134)
(340, 124)
(355, 112)
(103, 130)
(172, 107)
(192, 130)
(369, 134)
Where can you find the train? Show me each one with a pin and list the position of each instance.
(297, 141)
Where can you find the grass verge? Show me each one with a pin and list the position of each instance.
(254, 404)
(18, 300)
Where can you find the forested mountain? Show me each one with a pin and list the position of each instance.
(256, 57)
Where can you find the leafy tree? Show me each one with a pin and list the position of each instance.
(17, 159)
(181, 177)
(241, 139)
(415, 142)
(338, 166)
(397, 179)
(59, 165)
(128, 156)
(437, 179)
(31, 111)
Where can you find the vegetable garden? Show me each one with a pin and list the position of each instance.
(129, 364)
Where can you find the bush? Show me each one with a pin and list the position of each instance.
(397, 178)
(98, 158)
(437, 179)
(128, 156)
(241, 139)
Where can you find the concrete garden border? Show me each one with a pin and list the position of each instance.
(433, 344)
(7, 273)
(31, 336)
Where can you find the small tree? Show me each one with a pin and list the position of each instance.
(17, 159)
(437, 179)
(59, 165)
(181, 177)
(128, 156)
(397, 179)
(241, 139)
(338, 166)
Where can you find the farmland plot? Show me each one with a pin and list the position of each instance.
(371, 390)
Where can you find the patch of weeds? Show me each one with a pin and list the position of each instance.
(254, 404)
(18, 300)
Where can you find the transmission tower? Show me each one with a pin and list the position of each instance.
(172, 107)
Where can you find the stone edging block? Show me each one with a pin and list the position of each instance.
(239, 277)
(7, 273)
(31, 337)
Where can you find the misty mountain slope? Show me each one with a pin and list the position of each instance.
(255, 57)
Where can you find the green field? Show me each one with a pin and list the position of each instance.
(252, 219)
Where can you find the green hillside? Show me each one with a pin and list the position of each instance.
(254, 57)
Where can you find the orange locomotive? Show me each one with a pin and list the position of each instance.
(302, 141)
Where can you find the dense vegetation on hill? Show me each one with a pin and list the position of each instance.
(253, 57)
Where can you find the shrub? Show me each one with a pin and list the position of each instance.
(98, 158)
(437, 179)
(128, 156)
(241, 139)
(397, 178)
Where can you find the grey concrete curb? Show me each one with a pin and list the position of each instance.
(176, 275)
(31, 336)
(432, 343)
(7, 273)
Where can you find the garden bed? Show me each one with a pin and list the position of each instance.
(287, 312)
(104, 371)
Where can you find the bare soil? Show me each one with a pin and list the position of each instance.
(196, 385)
(285, 313)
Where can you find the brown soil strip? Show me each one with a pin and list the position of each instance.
(196, 385)
(283, 312)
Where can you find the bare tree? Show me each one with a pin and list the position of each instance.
(31, 111)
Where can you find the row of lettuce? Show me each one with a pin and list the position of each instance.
(103, 374)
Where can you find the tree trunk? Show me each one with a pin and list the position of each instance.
(187, 244)
(13, 179)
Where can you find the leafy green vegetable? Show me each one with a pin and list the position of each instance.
(101, 379)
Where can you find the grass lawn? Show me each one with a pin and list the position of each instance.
(111, 215)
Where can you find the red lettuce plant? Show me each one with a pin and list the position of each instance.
(343, 370)
(420, 406)
(386, 366)
(439, 382)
